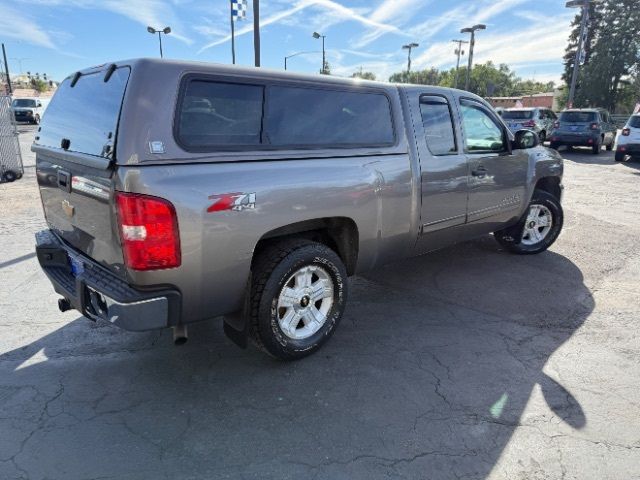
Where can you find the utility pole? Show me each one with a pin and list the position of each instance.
(584, 5)
(472, 31)
(6, 69)
(256, 31)
(458, 51)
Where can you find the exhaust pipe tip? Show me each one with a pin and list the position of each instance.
(180, 335)
(64, 304)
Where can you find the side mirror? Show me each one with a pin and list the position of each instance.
(38, 104)
(525, 139)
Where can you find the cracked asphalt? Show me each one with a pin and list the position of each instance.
(468, 363)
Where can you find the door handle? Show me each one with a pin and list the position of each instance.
(479, 172)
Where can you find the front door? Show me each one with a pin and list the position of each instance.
(443, 166)
(498, 175)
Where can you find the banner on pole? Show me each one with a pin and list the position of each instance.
(238, 9)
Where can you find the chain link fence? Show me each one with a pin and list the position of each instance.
(11, 167)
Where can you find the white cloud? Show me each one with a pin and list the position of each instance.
(337, 10)
(14, 24)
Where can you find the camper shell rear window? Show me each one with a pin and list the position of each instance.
(83, 116)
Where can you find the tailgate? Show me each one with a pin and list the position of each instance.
(74, 164)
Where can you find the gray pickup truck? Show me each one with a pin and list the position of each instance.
(177, 192)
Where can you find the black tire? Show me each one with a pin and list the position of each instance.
(619, 157)
(610, 146)
(271, 271)
(554, 145)
(10, 176)
(540, 197)
(597, 147)
(542, 136)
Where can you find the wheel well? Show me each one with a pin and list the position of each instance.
(550, 185)
(338, 233)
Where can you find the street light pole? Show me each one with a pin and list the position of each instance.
(296, 54)
(409, 47)
(153, 31)
(317, 35)
(584, 5)
(458, 51)
(472, 43)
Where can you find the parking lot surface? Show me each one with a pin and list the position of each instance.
(467, 363)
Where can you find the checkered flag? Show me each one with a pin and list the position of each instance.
(238, 9)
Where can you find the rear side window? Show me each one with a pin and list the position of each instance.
(214, 114)
(634, 122)
(517, 114)
(438, 125)
(578, 117)
(86, 114)
(306, 117)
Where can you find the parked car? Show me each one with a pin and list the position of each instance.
(194, 191)
(29, 110)
(585, 127)
(628, 141)
(540, 120)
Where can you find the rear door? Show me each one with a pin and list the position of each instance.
(444, 167)
(498, 175)
(74, 154)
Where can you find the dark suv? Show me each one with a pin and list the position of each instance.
(585, 127)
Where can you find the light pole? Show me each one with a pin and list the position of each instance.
(584, 4)
(153, 31)
(296, 54)
(409, 47)
(458, 51)
(316, 35)
(472, 31)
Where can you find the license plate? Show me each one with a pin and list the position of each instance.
(574, 129)
(77, 267)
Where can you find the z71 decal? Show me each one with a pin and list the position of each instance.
(232, 201)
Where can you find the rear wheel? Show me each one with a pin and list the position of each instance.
(619, 156)
(542, 136)
(298, 294)
(540, 226)
(554, 145)
(597, 147)
(610, 146)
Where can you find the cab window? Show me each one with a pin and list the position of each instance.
(438, 125)
(482, 132)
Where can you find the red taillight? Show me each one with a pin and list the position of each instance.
(529, 124)
(594, 126)
(149, 232)
(626, 132)
(556, 124)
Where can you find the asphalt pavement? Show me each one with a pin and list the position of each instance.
(467, 363)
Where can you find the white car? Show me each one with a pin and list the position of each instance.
(29, 110)
(628, 141)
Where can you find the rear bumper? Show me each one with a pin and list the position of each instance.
(629, 149)
(100, 295)
(575, 140)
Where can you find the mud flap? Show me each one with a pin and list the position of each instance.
(236, 325)
(514, 233)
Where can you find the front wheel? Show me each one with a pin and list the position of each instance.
(298, 295)
(540, 226)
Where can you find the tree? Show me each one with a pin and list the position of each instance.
(428, 76)
(326, 68)
(613, 55)
(364, 75)
(39, 85)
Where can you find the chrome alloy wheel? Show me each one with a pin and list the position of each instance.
(538, 225)
(305, 302)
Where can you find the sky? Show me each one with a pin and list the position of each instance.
(58, 37)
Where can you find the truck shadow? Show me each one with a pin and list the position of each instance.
(427, 377)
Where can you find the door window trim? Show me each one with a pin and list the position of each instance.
(446, 102)
(505, 136)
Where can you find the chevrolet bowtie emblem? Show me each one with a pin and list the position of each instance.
(68, 208)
